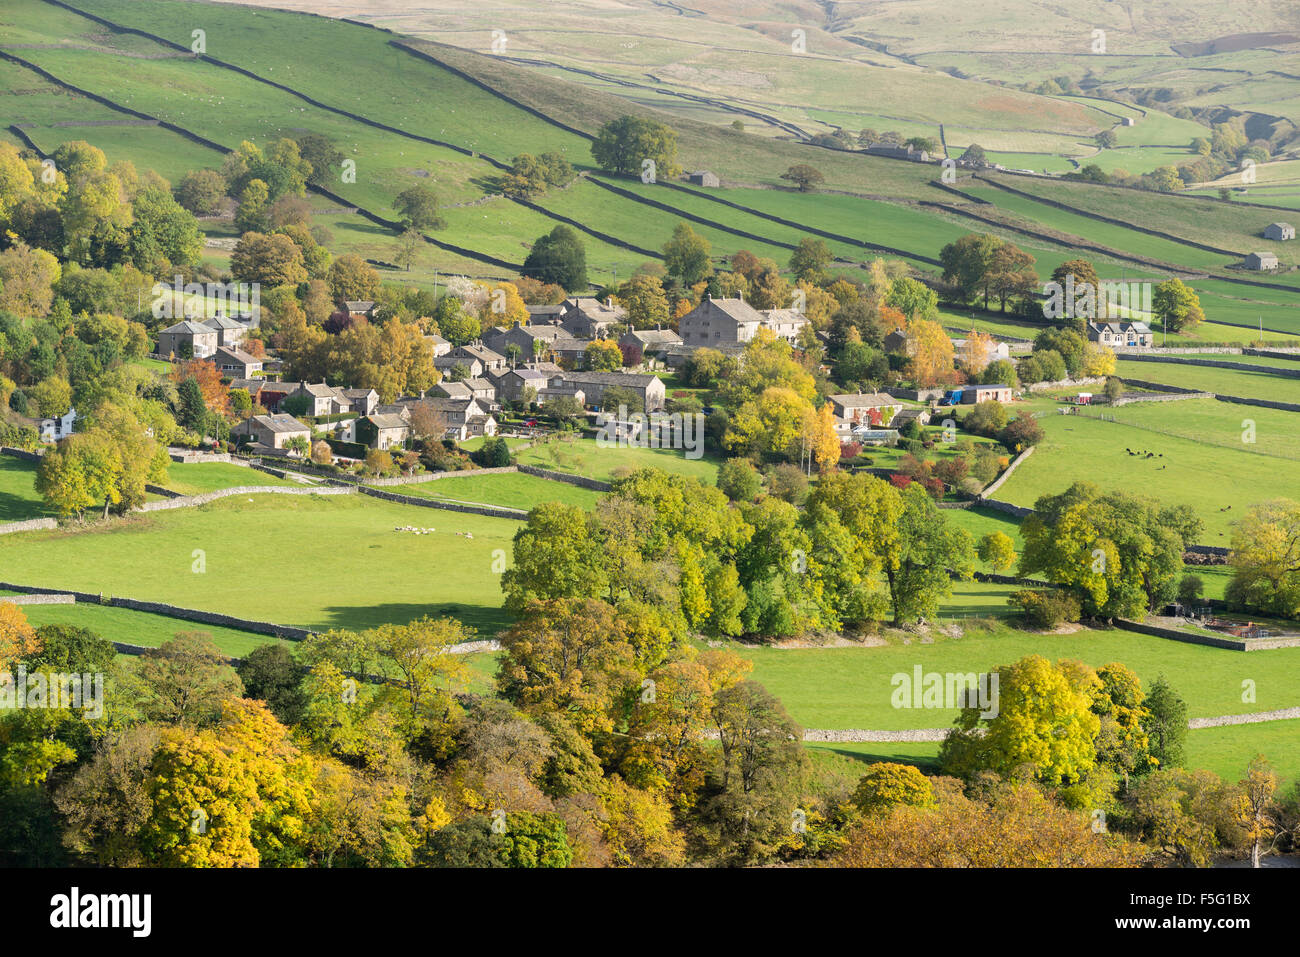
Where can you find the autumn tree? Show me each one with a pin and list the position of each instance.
(930, 353)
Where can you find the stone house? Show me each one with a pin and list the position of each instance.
(235, 363)
(187, 338)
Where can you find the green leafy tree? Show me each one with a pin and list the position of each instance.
(806, 178)
(558, 257)
(624, 144)
(686, 255)
(418, 207)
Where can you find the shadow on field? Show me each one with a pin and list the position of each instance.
(925, 762)
(484, 619)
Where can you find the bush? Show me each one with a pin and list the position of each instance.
(321, 453)
(788, 483)
(1190, 589)
(739, 480)
(1046, 607)
(986, 418)
(494, 453)
(1021, 433)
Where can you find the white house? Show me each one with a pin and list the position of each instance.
(58, 427)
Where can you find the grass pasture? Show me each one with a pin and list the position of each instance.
(142, 628)
(310, 561)
(195, 478)
(1256, 384)
(851, 687)
(18, 498)
(1219, 481)
(510, 490)
(585, 457)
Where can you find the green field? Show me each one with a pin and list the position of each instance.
(311, 561)
(511, 490)
(585, 457)
(1225, 751)
(1209, 477)
(18, 498)
(851, 687)
(1263, 384)
(141, 628)
(194, 478)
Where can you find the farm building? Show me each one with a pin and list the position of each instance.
(704, 177)
(1279, 231)
(856, 408)
(899, 152)
(971, 394)
(1261, 261)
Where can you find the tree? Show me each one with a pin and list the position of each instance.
(253, 201)
(1259, 820)
(624, 144)
(83, 471)
(321, 154)
(975, 155)
(556, 555)
(810, 259)
(418, 207)
(643, 298)
(201, 191)
(569, 655)
(917, 565)
(409, 246)
(1120, 553)
(1010, 274)
(529, 839)
(603, 355)
(914, 299)
(270, 673)
(967, 264)
(1265, 559)
(739, 480)
(686, 255)
(1176, 306)
(273, 260)
(185, 680)
(27, 280)
(18, 639)
(558, 257)
(748, 799)
(997, 550)
(1107, 139)
(1043, 720)
(887, 785)
(352, 279)
(1016, 826)
(805, 177)
(930, 353)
